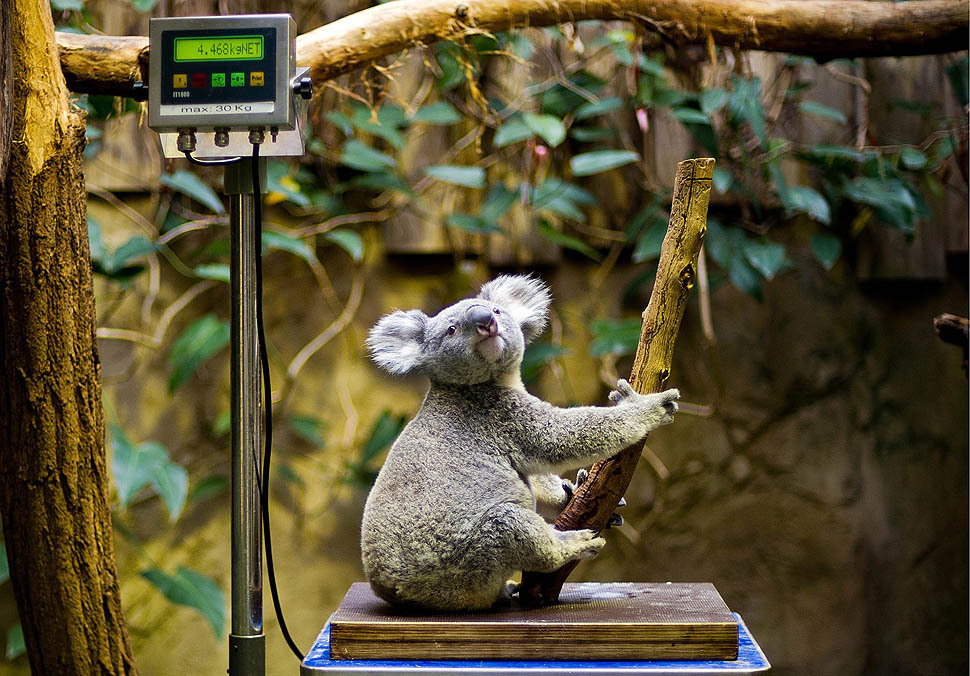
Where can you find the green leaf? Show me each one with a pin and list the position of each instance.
(281, 185)
(200, 340)
(745, 277)
(208, 487)
(308, 428)
(4, 564)
(890, 200)
(471, 223)
(383, 433)
(614, 336)
(216, 271)
(547, 127)
(134, 467)
(827, 249)
(191, 185)
(722, 180)
(469, 177)
(567, 241)
(67, 5)
(560, 101)
(356, 155)
(592, 134)
(912, 158)
(597, 108)
(500, 199)
(348, 240)
(513, 131)
(820, 110)
(691, 116)
(538, 354)
(117, 263)
(650, 241)
(378, 181)
(194, 590)
(15, 641)
(807, 200)
(766, 257)
(95, 241)
(598, 161)
(830, 152)
(745, 104)
(712, 100)
(388, 119)
(441, 112)
(281, 241)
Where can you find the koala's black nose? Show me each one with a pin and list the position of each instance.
(482, 318)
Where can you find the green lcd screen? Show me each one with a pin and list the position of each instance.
(219, 48)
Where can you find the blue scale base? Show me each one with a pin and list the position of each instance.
(751, 660)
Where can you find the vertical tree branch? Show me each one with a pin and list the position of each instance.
(595, 500)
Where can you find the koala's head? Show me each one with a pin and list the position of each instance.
(476, 340)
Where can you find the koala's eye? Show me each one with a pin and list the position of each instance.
(496, 311)
(452, 330)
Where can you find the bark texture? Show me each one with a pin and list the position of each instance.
(53, 475)
(597, 498)
(825, 29)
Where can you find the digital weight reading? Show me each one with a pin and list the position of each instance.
(219, 48)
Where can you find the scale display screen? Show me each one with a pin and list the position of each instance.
(219, 48)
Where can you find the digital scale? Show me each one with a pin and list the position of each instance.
(214, 79)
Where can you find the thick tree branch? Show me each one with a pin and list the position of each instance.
(825, 29)
(595, 500)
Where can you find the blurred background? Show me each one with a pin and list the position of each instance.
(817, 473)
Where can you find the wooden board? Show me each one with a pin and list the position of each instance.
(593, 621)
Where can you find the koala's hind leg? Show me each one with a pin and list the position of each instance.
(524, 541)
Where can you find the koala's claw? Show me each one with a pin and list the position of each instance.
(581, 476)
(623, 392)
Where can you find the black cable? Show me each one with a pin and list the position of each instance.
(267, 405)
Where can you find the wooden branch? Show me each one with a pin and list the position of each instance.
(825, 29)
(595, 500)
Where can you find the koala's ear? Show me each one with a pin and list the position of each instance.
(395, 341)
(527, 298)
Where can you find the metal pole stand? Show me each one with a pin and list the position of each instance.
(247, 643)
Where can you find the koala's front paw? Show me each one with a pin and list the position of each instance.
(624, 393)
(664, 405)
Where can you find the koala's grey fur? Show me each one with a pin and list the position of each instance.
(453, 512)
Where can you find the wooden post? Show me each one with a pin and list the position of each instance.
(597, 498)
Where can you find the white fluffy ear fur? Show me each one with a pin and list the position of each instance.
(527, 298)
(395, 341)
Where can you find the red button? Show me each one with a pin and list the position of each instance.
(198, 80)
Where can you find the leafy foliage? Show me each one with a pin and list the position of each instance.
(187, 587)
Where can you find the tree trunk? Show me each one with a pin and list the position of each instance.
(53, 476)
(825, 29)
(594, 501)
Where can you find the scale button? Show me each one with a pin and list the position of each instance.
(256, 78)
(218, 79)
(180, 81)
(198, 80)
(237, 79)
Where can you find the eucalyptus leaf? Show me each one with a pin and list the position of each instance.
(171, 482)
(723, 180)
(745, 104)
(650, 242)
(912, 158)
(592, 134)
(820, 110)
(513, 131)
(136, 466)
(547, 127)
(194, 590)
(144, 5)
(382, 434)
(4, 564)
(827, 249)
(598, 161)
(200, 340)
(356, 155)
(281, 241)
(191, 185)
(309, 428)
(566, 241)
(691, 116)
(15, 642)
(500, 199)
(440, 112)
(597, 108)
(807, 200)
(471, 223)
(537, 354)
(469, 177)
(67, 5)
(712, 100)
(614, 336)
(766, 257)
(348, 240)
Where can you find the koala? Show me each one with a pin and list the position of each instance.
(454, 511)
